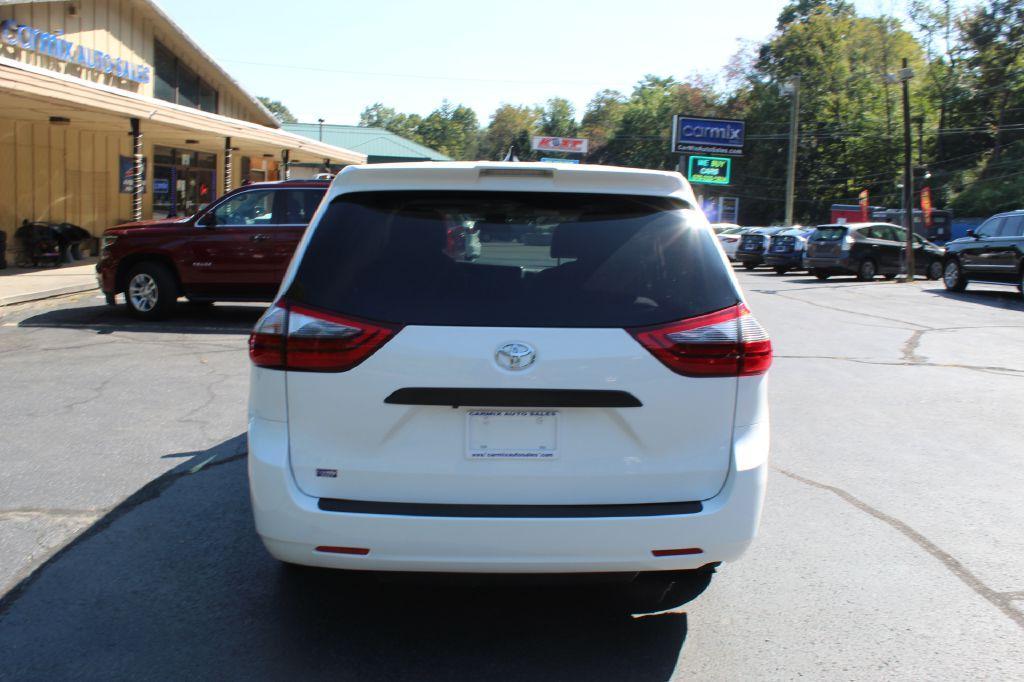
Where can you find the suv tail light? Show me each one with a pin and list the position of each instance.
(725, 343)
(300, 339)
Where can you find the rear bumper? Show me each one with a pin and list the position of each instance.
(750, 257)
(292, 525)
(834, 265)
(791, 260)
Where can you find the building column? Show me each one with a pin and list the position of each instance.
(284, 164)
(137, 170)
(227, 165)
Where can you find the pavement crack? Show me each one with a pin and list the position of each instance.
(920, 362)
(910, 347)
(853, 312)
(1001, 600)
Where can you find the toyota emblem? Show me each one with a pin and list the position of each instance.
(515, 355)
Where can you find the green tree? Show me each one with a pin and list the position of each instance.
(601, 118)
(451, 130)
(379, 116)
(278, 109)
(510, 125)
(559, 118)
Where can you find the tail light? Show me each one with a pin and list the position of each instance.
(725, 343)
(300, 339)
(848, 241)
(731, 240)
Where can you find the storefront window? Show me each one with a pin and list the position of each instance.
(175, 82)
(184, 181)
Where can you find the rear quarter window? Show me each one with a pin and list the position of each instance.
(573, 260)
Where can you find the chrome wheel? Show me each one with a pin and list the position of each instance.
(951, 275)
(143, 292)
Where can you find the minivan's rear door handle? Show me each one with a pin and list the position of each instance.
(260, 237)
(512, 397)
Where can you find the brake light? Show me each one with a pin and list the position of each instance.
(725, 343)
(731, 240)
(300, 339)
(848, 241)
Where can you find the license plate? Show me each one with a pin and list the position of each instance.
(511, 434)
(779, 248)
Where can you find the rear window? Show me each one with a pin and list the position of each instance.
(512, 259)
(829, 234)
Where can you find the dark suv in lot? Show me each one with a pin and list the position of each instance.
(235, 249)
(750, 251)
(867, 250)
(993, 253)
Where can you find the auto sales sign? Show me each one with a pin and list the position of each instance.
(707, 136)
(573, 145)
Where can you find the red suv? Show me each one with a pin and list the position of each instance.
(236, 249)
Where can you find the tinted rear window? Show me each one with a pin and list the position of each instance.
(829, 234)
(512, 259)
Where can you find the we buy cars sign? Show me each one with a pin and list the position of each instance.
(573, 145)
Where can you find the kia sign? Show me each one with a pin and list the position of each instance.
(572, 145)
(707, 136)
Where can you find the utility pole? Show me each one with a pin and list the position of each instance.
(905, 74)
(793, 89)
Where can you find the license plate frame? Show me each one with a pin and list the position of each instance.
(512, 435)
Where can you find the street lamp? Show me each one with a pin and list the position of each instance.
(792, 88)
(903, 76)
(321, 134)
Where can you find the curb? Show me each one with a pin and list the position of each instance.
(48, 293)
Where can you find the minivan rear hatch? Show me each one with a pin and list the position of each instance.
(515, 374)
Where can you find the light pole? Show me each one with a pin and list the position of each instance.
(904, 76)
(321, 134)
(793, 90)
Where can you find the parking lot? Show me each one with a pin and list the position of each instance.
(891, 542)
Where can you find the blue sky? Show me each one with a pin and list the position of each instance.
(331, 59)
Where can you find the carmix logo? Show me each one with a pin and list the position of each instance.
(714, 135)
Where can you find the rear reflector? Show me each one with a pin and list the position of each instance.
(677, 552)
(301, 339)
(725, 343)
(362, 551)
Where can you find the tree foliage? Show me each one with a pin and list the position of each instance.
(278, 109)
(967, 110)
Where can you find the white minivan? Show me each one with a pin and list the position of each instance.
(590, 402)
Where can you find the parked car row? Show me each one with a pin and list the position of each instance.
(864, 250)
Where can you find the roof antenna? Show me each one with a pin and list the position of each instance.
(511, 156)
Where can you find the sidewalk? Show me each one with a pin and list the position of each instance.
(18, 285)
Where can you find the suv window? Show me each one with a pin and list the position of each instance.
(252, 208)
(585, 260)
(1013, 226)
(829, 234)
(296, 206)
(898, 234)
(990, 228)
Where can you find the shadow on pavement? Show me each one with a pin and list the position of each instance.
(1006, 298)
(187, 319)
(175, 583)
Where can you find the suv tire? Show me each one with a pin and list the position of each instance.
(781, 269)
(750, 266)
(867, 270)
(819, 274)
(151, 291)
(953, 276)
(934, 271)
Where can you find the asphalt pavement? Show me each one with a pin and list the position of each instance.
(890, 546)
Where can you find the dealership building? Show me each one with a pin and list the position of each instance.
(109, 112)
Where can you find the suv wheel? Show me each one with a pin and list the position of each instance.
(781, 269)
(819, 274)
(151, 291)
(750, 266)
(934, 270)
(953, 276)
(867, 270)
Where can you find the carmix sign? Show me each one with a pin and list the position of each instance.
(707, 135)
